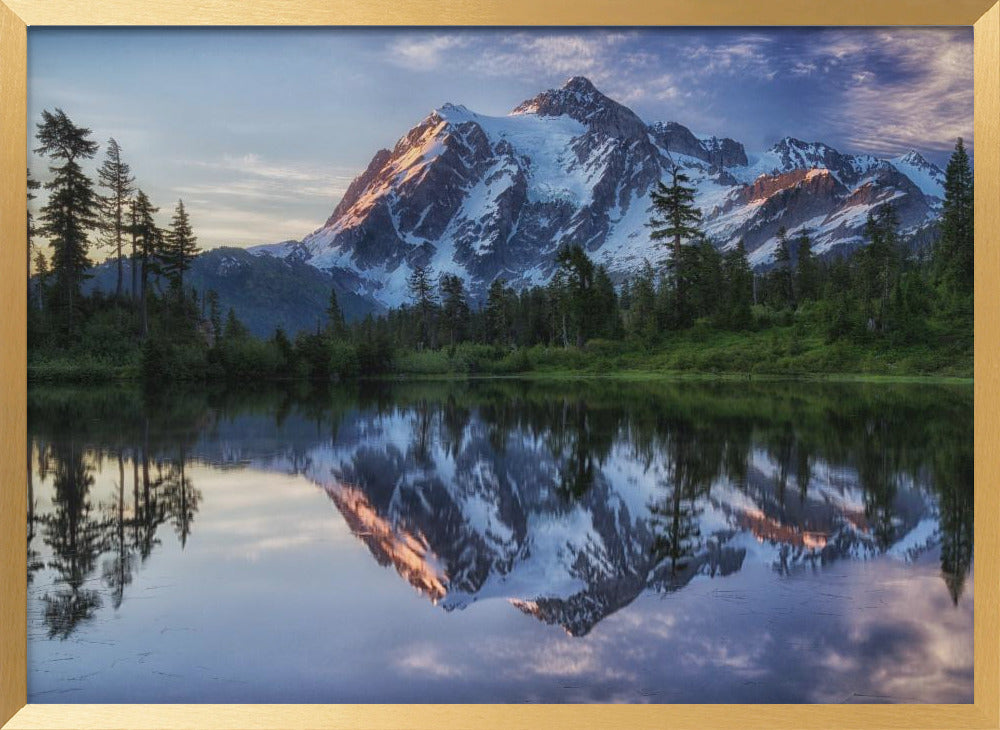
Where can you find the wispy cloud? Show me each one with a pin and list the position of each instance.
(425, 54)
(530, 55)
(924, 104)
(247, 199)
(238, 225)
(746, 56)
(255, 166)
(884, 90)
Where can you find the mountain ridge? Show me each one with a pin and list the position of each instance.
(486, 197)
(266, 293)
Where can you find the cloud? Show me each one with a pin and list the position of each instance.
(237, 225)
(530, 55)
(247, 199)
(425, 54)
(426, 659)
(925, 103)
(255, 166)
(803, 68)
(747, 55)
(609, 59)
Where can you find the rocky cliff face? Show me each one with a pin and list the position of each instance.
(487, 197)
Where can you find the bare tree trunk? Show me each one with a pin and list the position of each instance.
(118, 250)
(134, 252)
(142, 300)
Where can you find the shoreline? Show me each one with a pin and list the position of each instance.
(564, 375)
(651, 375)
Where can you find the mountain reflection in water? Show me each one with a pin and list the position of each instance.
(567, 500)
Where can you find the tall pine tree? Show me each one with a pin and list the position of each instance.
(180, 248)
(879, 266)
(71, 210)
(954, 255)
(782, 276)
(336, 327)
(422, 292)
(497, 317)
(576, 273)
(150, 243)
(738, 287)
(454, 308)
(674, 224)
(805, 270)
(115, 177)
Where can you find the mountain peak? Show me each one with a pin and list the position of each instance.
(923, 173)
(914, 158)
(580, 84)
(453, 112)
(579, 99)
(578, 94)
(792, 143)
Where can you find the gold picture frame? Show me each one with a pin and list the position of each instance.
(17, 15)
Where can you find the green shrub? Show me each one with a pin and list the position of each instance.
(343, 360)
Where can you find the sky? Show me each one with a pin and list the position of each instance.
(260, 131)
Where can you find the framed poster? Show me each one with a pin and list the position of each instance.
(639, 374)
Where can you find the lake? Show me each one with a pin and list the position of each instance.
(502, 541)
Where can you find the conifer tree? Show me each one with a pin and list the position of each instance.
(954, 254)
(150, 242)
(214, 314)
(642, 315)
(71, 208)
(335, 324)
(115, 177)
(422, 292)
(454, 307)
(607, 320)
(674, 223)
(805, 270)
(576, 271)
(738, 287)
(180, 248)
(234, 330)
(133, 229)
(41, 278)
(497, 321)
(782, 275)
(708, 282)
(879, 266)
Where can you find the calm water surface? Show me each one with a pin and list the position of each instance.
(502, 541)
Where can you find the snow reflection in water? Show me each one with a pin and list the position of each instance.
(693, 541)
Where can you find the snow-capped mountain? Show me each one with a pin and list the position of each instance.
(487, 197)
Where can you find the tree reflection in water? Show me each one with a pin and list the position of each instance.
(118, 535)
(706, 443)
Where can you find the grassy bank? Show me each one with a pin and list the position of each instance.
(778, 352)
(70, 368)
